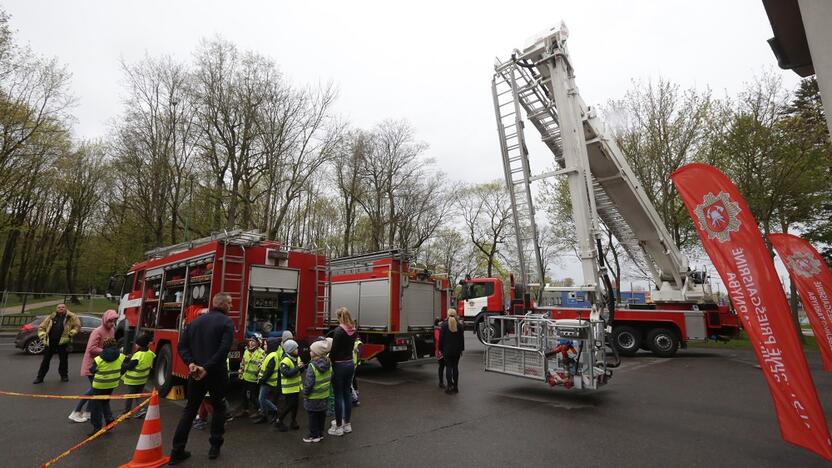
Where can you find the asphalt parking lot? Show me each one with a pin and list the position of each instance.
(706, 407)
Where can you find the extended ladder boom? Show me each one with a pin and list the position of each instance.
(601, 182)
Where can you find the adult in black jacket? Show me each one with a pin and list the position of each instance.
(204, 347)
(343, 341)
(452, 344)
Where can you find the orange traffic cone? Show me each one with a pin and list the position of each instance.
(148, 452)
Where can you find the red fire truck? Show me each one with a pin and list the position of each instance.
(273, 288)
(393, 301)
(659, 327)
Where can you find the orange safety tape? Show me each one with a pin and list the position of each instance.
(97, 434)
(122, 396)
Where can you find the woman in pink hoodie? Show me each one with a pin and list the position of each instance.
(107, 329)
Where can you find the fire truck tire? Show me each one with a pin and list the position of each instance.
(388, 361)
(485, 331)
(626, 340)
(163, 370)
(663, 342)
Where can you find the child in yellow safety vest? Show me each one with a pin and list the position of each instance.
(291, 368)
(137, 370)
(316, 388)
(106, 371)
(253, 356)
(356, 354)
(268, 380)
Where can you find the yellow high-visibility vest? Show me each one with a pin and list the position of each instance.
(322, 384)
(250, 368)
(107, 373)
(139, 374)
(290, 384)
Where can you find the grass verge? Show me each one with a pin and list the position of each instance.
(741, 342)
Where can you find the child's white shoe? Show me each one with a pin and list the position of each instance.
(347, 428)
(336, 431)
(77, 416)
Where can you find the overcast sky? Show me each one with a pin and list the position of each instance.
(429, 62)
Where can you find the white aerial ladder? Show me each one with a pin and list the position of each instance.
(540, 81)
(537, 85)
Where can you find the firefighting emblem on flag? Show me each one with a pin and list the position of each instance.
(718, 216)
(804, 264)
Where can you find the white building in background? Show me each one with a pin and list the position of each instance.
(802, 41)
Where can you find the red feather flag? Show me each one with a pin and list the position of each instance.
(813, 280)
(732, 240)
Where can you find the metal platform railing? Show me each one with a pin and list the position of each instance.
(528, 346)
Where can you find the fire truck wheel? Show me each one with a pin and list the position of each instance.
(162, 370)
(486, 331)
(626, 340)
(663, 342)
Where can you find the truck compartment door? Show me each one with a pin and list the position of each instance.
(695, 325)
(273, 279)
(369, 301)
(419, 305)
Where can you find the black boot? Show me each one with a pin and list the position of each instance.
(177, 457)
(213, 452)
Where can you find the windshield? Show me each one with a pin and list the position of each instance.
(475, 290)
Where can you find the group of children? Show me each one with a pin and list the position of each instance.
(273, 374)
(112, 367)
(275, 378)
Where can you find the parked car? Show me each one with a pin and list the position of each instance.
(28, 340)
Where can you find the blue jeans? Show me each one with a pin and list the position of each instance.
(81, 403)
(342, 388)
(266, 405)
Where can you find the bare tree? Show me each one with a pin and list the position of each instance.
(154, 143)
(311, 143)
(486, 211)
(348, 163)
(83, 180)
(228, 89)
(393, 163)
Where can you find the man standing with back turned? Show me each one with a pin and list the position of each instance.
(204, 347)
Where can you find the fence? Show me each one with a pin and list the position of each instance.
(38, 303)
(15, 320)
